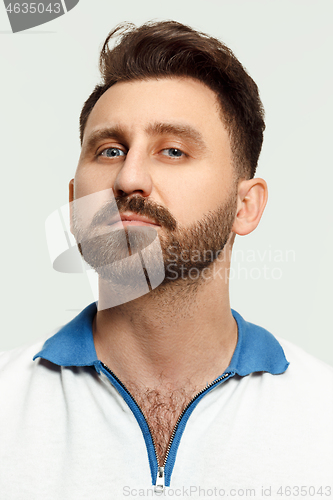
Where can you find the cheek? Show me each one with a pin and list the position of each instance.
(88, 180)
(197, 194)
(190, 197)
(91, 193)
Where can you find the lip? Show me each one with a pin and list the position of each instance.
(132, 219)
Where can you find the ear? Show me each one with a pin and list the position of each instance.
(71, 198)
(252, 199)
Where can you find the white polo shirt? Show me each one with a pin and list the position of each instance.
(69, 429)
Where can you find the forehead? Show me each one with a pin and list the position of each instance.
(136, 105)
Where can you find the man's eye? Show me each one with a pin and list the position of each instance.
(173, 153)
(112, 152)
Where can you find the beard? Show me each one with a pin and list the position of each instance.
(137, 259)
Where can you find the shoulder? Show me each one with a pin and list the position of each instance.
(304, 363)
(289, 372)
(307, 382)
(20, 359)
(24, 381)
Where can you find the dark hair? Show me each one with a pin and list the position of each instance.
(170, 49)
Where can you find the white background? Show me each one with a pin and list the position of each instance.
(49, 71)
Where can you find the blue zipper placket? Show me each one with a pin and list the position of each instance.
(161, 474)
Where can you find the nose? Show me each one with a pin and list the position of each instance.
(134, 176)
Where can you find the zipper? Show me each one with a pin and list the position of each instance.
(160, 477)
(160, 481)
(208, 386)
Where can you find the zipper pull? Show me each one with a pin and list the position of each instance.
(159, 486)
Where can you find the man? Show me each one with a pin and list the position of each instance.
(165, 386)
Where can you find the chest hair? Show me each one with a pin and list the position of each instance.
(162, 409)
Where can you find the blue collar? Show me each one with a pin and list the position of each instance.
(257, 350)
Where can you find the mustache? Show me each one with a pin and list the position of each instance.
(138, 205)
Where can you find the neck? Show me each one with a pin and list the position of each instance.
(176, 333)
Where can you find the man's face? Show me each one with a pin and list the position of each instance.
(161, 146)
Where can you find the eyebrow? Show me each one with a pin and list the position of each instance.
(186, 131)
